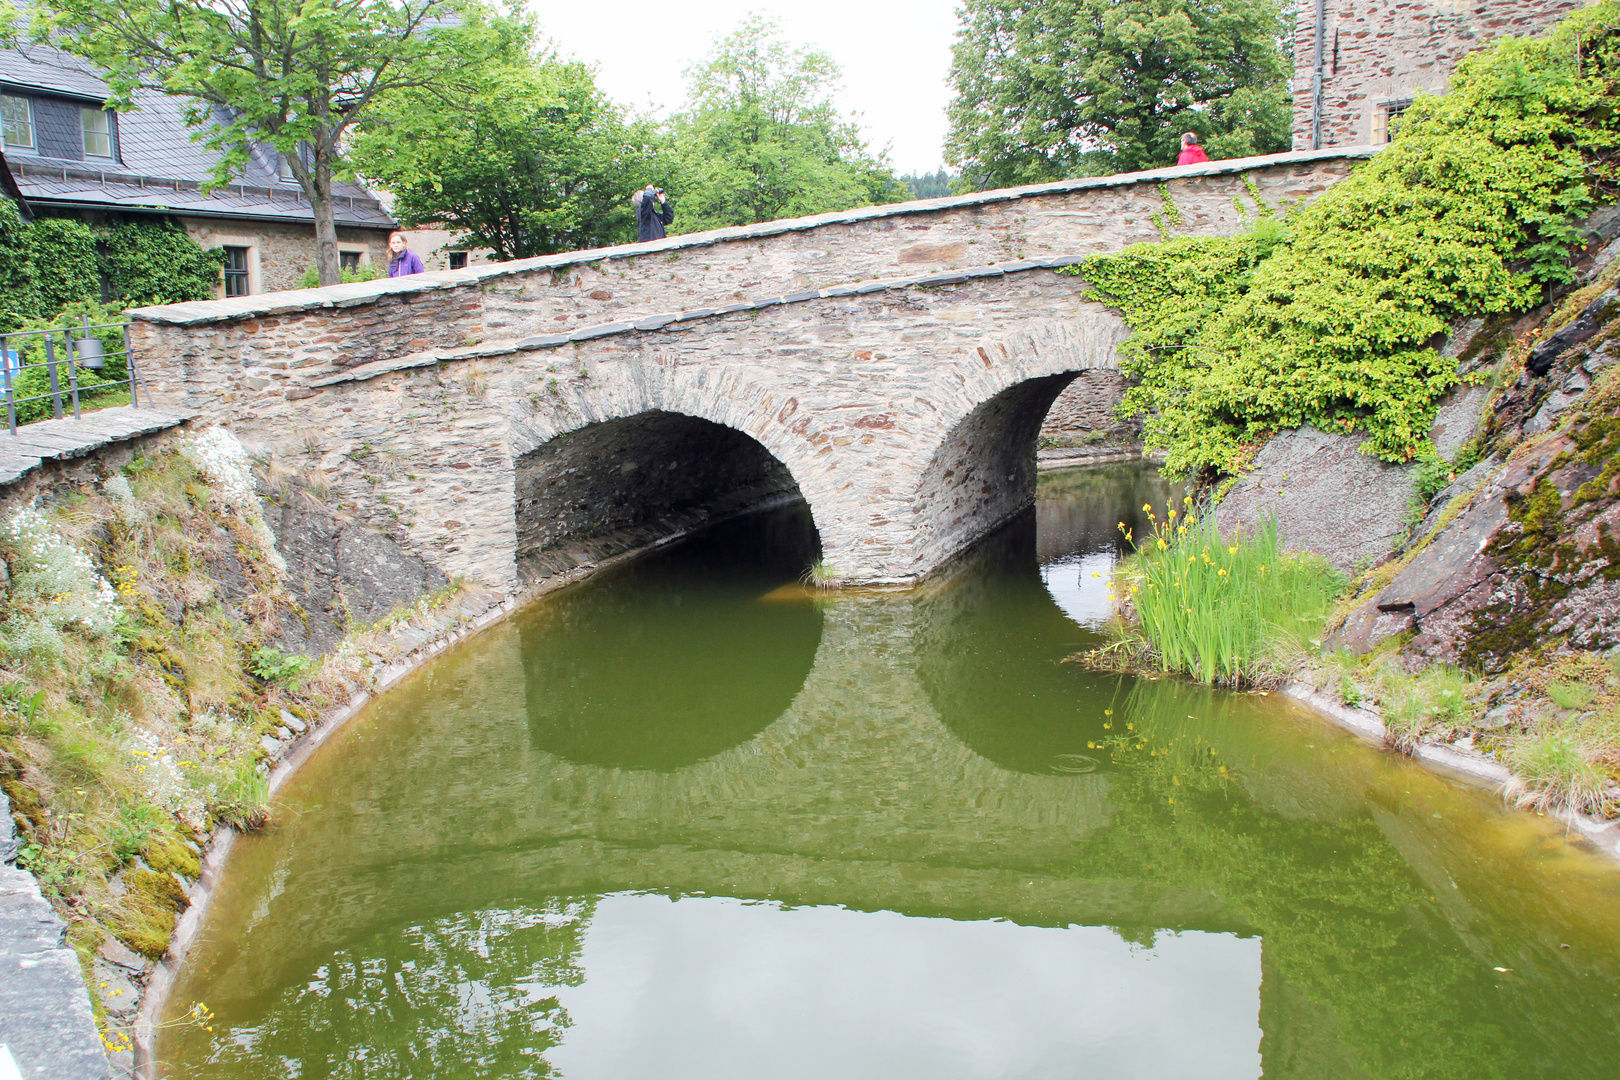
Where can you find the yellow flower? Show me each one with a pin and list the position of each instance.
(1223, 571)
(1147, 508)
(1171, 512)
(1232, 550)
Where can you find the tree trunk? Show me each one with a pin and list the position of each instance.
(320, 198)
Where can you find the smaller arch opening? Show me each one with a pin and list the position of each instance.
(614, 486)
(984, 472)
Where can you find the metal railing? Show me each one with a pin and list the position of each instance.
(65, 363)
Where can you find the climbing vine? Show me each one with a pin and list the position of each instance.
(1328, 317)
(51, 264)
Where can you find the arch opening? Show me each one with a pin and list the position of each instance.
(618, 485)
(983, 473)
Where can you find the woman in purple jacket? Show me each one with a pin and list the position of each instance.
(402, 260)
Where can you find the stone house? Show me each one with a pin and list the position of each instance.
(69, 156)
(1358, 63)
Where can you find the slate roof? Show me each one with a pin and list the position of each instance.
(8, 185)
(161, 166)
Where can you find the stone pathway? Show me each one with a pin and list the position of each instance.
(45, 1018)
(51, 440)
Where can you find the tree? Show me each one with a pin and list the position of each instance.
(1047, 89)
(761, 138)
(297, 74)
(536, 161)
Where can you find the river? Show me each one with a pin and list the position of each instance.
(691, 820)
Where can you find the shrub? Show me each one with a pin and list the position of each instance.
(366, 272)
(1326, 319)
(1215, 608)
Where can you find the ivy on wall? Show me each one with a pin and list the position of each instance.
(51, 264)
(1328, 317)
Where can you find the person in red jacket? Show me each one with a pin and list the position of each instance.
(1191, 152)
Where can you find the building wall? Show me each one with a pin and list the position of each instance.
(435, 245)
(278, 254)
(1381, 51)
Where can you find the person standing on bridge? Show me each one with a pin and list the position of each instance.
(401, 259)
(653, 212)
(1191, 152)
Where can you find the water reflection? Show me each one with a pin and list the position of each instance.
(958, 853)
(678, 657)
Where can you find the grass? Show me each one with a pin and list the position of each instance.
(1227, 611)
(1552, 771)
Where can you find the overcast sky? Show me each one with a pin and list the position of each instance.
(896, 56)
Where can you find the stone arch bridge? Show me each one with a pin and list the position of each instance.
(890, 365)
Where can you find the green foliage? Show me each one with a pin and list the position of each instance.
(1216, 609)
(366, 272)
(1090, 87)
(295, 74)
(1327, 319)
(56, 269)
(63, 253)
(1570, 694)
(157, 262)
(935, 185)
(536, 160)
(1554, 773)
(761, 138)
(272, 665)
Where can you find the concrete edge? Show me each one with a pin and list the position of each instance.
(294, 300)
(1469, 765)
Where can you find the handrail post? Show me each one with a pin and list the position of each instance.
(11, 392)
(73, 373)
(129, 363)
(56, 384)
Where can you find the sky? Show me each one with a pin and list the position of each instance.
(895, 55)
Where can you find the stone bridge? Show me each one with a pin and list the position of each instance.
(891, 366)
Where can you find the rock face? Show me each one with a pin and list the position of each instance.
(342, 573)
(1524, 552)
(1326, 495)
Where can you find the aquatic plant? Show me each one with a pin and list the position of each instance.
(1220, 608)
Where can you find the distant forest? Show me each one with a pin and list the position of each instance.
(929, 185)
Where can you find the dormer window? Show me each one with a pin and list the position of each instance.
(97, 132)
(16, 123)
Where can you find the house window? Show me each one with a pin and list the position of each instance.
(349, 260)
(286, 171)
(236, 271)
(1392, 110)
(97, 132)
(458, 260)
(16, 123)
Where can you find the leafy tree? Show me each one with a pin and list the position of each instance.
(935, 185)
(298, 74)
(1047, 89)
(536, 161)
(761, 138)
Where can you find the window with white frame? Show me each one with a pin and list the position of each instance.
(16, 123)
(97, 132)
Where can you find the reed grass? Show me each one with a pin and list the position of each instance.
(1221, 609)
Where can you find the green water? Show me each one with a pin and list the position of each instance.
(686, 822)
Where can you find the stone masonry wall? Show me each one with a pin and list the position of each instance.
(284, 251)
(1083, 415)
(1380, 51)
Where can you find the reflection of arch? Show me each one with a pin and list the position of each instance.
(715, 659)
(988, 641)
